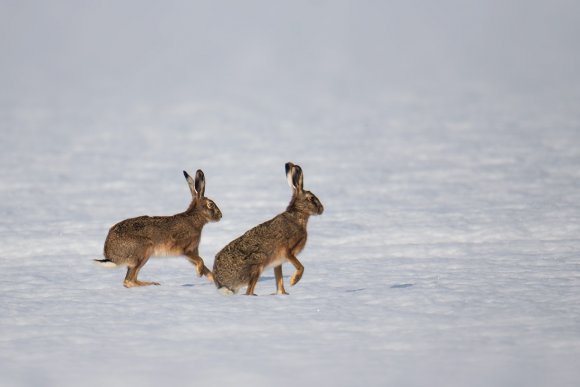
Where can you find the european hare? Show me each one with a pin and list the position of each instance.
(132, 241)
(269, 244)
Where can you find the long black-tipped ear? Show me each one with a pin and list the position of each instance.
(298, 178)
(294, 176)
(289, 169)
(191, 183)
(200, 183)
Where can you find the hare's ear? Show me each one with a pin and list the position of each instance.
(298, 178)
(191, 183)
(289, 167)
(294, 176)
(200, 183)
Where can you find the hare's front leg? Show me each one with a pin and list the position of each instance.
(279, 280)
(299, 269)
(200, 267)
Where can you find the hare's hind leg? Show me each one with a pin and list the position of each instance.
(131, 280)
(254, 277)
(143, 252)
(200, 267)
(252, 286)
(279, 280)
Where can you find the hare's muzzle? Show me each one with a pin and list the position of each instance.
(217, 215)
(320, 209)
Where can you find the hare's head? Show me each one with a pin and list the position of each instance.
(199, 203)
(302, 201)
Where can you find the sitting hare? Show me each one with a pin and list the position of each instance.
(269, 244)
(132, 241)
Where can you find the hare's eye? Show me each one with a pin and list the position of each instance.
(209, 205)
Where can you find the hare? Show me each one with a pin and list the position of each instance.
(132, 241)
(269, 244)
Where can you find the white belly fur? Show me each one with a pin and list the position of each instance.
(164, 250)
(280, 259)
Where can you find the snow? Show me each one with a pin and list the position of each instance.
(448, 165)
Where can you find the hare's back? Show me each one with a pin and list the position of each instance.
(260, 244)
(144, 226)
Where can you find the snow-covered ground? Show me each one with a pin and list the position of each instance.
(444, 145)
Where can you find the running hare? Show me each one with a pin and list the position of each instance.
(269, 244)
(132, 241)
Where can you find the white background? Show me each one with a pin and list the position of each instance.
(443, 139)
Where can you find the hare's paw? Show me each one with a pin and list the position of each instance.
(146, 283)
(133, 284)
(296, 277)
(280, 291)
(209, 276)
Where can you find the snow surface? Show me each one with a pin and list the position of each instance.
(443, 141)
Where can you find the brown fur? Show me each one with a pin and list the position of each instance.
(269, 244)
(132, 241)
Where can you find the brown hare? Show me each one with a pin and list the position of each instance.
(269, 244)
(132, 241)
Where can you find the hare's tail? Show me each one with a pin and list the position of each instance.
(225, 291)
(105, 263)
(221, 288)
